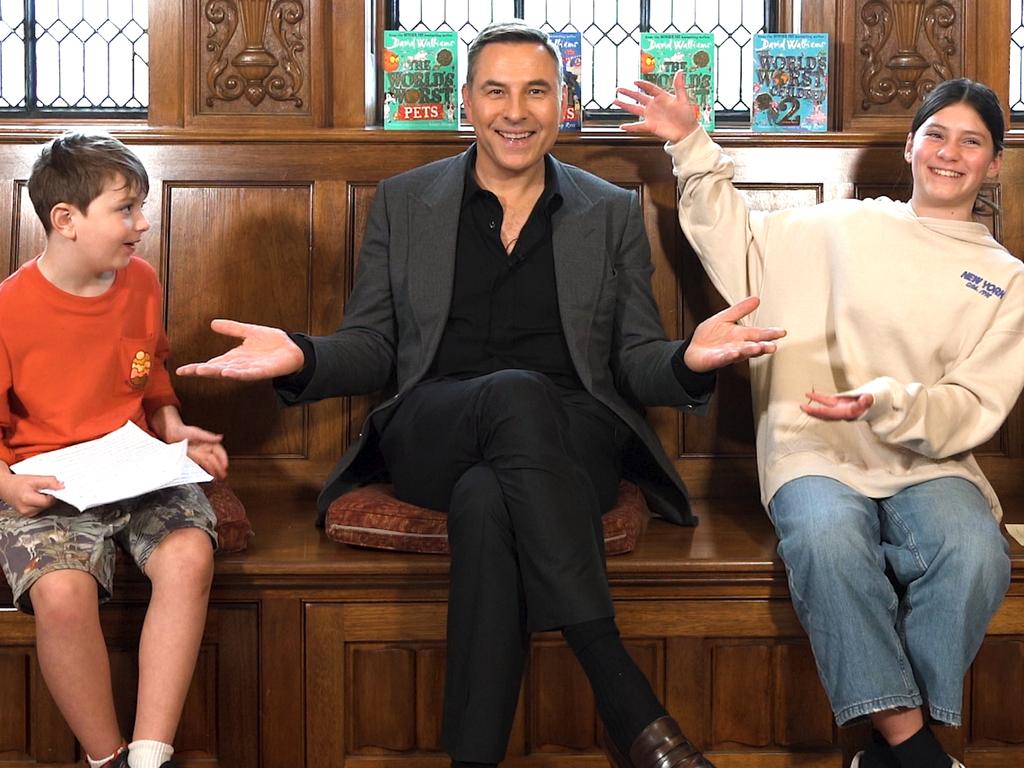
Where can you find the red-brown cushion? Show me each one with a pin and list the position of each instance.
(372, 517)
(233, 527)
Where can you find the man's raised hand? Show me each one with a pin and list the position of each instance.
(265, 353)
(720, 340)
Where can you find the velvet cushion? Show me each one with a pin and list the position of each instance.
(233, 527)
(372, 517)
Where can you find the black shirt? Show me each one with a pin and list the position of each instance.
(504, 309)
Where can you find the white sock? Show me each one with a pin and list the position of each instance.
(147, 753)
(103, 760)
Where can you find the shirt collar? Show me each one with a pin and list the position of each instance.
(551, 196)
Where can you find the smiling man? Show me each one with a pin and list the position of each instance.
(506, 298)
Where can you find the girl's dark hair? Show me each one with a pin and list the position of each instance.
(977, 95)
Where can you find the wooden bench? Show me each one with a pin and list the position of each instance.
(336, 652)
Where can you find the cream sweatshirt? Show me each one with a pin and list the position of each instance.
(925, 314)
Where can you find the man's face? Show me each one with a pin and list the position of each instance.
(514, 105)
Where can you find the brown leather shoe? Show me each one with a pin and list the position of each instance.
(660, 745)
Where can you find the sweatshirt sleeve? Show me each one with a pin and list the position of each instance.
(967, 405)
(728, 238)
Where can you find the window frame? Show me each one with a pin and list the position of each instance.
(32, 111)
(733, 118)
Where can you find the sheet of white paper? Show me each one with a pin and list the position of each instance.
(128, 462)
(1016, 530)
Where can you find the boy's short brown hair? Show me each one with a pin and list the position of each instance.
(74, 168)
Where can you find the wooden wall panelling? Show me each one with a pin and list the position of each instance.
(166, 63)
(255, 64)
(14, 719)
(325, 679)
(245, 250)
(281, 676)
(895, 51)
(352, 66)
(802, 716)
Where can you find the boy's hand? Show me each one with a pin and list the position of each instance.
(265, 353)
(21, 492)
(671, 117)
(204, 447)
(837, 407)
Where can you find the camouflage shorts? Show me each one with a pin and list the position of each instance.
(63, 537)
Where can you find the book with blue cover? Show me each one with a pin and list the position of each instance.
(570, 45)
(790, 82)
(420, 80)
(662, 54)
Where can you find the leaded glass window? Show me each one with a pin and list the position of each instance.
(78, 57)
(611, 36)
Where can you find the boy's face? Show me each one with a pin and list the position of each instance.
(107, 232)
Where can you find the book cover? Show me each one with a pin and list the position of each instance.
(662, 54)
(570, 44)
(790, 83)
(420, 80)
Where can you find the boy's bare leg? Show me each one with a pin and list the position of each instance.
(180, 570)
(73, 657)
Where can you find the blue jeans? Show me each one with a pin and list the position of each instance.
(896, 593)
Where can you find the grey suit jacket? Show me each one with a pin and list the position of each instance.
(396, 314)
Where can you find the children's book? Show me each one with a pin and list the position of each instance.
(570, 44)
(420, 79)
(790, 82)
(662, 54)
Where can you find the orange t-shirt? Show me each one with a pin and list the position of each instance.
(74, 368)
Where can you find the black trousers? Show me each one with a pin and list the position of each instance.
(524, 470)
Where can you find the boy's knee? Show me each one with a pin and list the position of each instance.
(185, 555)
(64, 596)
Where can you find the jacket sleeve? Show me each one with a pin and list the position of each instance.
(642, 359)
(968, 404)
(359, 357)
(728, 238)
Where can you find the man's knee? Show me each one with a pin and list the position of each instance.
(478, 510)
(520, 393)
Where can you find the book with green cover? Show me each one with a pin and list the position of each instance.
(662, 54)
(420, 80)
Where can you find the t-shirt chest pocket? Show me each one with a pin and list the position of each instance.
(136, 358)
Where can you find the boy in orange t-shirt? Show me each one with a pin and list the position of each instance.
(82, 351)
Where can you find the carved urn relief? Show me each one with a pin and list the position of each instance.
(907, 47)
(254, 49)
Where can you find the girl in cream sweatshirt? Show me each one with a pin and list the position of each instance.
(904, 351)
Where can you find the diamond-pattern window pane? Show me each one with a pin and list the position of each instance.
(12, 54)
(90, 55)
(467, 17)
(611, 35)
(1017, 59)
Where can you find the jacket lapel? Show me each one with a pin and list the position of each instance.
(579, 266)
(433, 235)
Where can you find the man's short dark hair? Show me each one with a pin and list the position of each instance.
(511, 32)
(74, 168)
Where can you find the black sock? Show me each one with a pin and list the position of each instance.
(879, 754)
(623, 696)
(922, 750)
(464, 764)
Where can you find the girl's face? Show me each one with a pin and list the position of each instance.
(951, 156)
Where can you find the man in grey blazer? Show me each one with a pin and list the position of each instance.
(505, 299)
